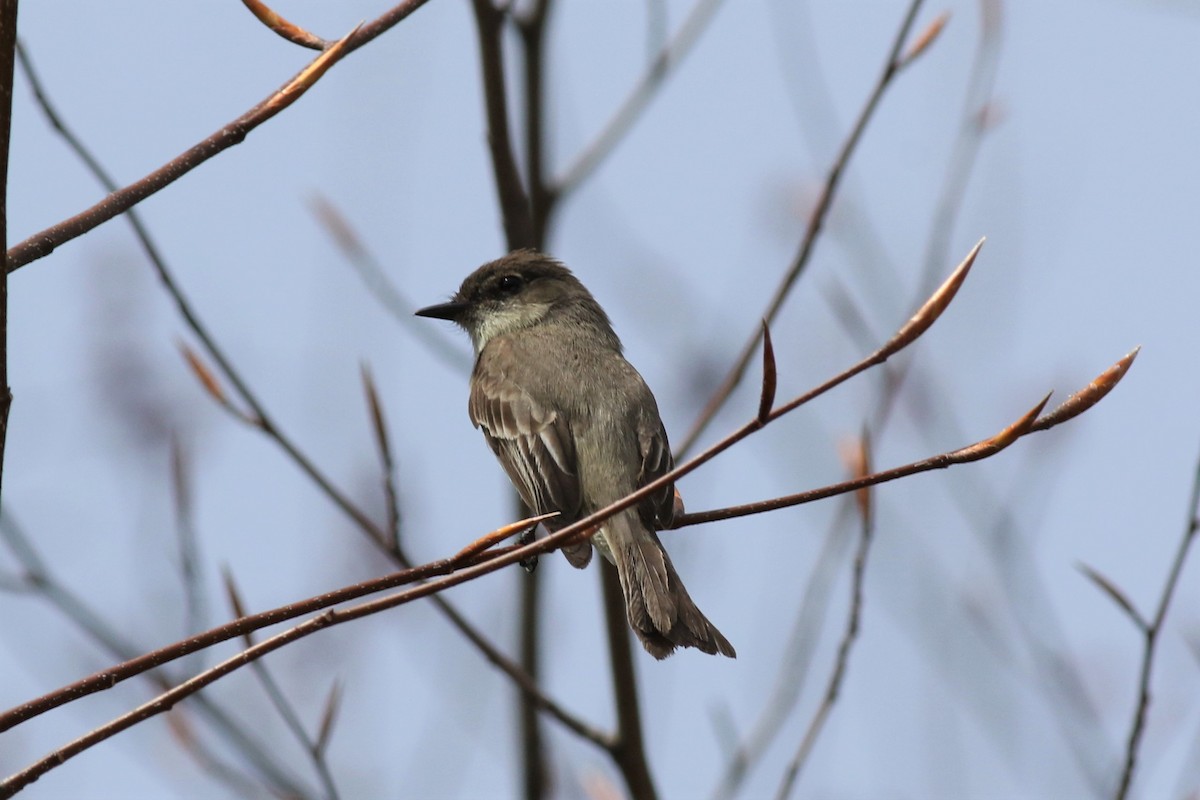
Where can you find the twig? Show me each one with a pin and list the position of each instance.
(194, 600)
(1057, 679)
(315, 748)
(513, 197)
(794, 665)
(8, 46)
(669, 57)
(385, 458)
(985, 448)
(964, 154)
(1150, 634)
(849, 636)
(892, 67)
(39, 578)
(110, 677)
(542, 199)
(117, 202)
(385, 292)
(629, 749)
(327, 618)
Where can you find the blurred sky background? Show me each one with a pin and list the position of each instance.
(978, 627)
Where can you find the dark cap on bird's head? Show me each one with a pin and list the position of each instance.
(512, 292)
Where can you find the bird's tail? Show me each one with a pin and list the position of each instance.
(660, 610)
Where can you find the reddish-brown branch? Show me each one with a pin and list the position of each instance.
(44, 242)
(892, 67)
(110, 677)
(327, 618)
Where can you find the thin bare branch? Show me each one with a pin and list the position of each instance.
(382, 288)
(121, 200)
(1150, 635)
(113, 641)
(511, 192)
(628, 748)
(333, 705)
(532, 27)
(981, 449)
(853, 622)
(385, 457)
(8, 48)
(190, 571)
(110, 677)
(1116, 595)
(282, 704)
(972, 127)
(327, 618)
(908, 333)
(796, 662)
(450, 577)
(630, 110)
(816, 223)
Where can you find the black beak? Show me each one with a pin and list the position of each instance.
(450, 311)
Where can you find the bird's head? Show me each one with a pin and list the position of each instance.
(517, 291)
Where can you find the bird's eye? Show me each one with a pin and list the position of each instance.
(510, 284)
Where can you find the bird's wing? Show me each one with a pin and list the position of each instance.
(657, 510)
(533, 443)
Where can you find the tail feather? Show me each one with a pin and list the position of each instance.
(660, 610)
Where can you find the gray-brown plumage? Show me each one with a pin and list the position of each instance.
(576, 428)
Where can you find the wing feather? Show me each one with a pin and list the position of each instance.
(533, 443)
(657, 510)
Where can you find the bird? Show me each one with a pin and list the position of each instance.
(576, 428)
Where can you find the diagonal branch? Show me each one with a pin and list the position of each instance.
(849, 635)
(1150, 634)
(121, 200)
(894, 64)
(669, 57)
(110, 677)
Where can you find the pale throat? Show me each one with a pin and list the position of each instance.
(505, 320)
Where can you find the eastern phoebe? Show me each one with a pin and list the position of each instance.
(576, 428)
